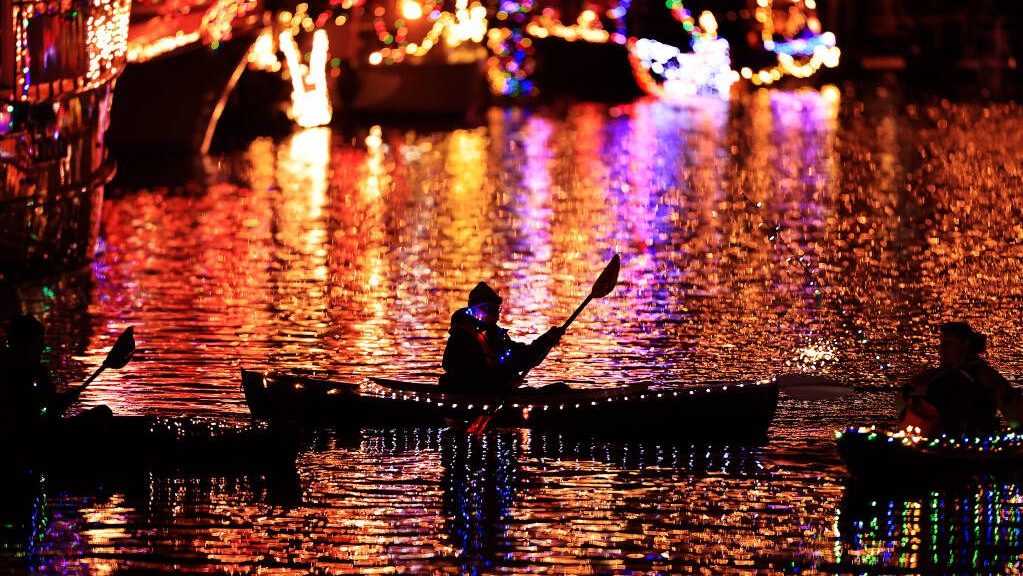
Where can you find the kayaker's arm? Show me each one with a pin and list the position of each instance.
(524, 357)
(61, 401)
(915, 388)
(1008, 398)
(546, 342)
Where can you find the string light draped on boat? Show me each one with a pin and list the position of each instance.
(169, 31)
(669, 73)
(587, 27)
(692, 411)
(466, 25)
(802, 48)
(103, 43)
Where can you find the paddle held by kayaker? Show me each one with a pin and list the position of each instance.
(480, 355)
(964, 394)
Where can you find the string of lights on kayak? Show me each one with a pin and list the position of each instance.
(912, 437)
(442, 400)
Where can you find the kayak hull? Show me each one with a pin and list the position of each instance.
(717, 411)
(156, 443)
(876, 456)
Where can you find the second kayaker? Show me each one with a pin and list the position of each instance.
(480, 355)
(964, 394)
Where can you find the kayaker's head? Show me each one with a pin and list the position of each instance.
(959, 343)
(485, 304)
(25, 337)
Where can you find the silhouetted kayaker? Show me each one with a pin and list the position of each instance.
(964, 394)
(28, 397)
(480, 356)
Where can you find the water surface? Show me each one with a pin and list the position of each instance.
(786, 231)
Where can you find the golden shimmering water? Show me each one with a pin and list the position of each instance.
(784, 232)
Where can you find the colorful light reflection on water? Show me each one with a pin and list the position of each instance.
(348, 256)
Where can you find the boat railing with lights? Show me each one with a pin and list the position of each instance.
(716, 411)
(413, 60)
(58, 65)
(893, 457)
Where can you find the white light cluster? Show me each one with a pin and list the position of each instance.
(106, 29)
(470, 24)
(704, 71)
(107, 33)
(310, 102)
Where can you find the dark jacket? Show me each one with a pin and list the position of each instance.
(967, 397)
(482, 358)
(27, 395)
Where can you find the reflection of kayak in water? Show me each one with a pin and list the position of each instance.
(714, 411)
(967, 528)
(884, 456)
(122, 443)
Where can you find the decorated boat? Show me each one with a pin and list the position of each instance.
(58, 65)
(902, 456)
(418, 59)
(184, 59)
(156, 443)
(713, 411)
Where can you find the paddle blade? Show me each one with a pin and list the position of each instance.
(122, 350)
(608, 278)
(812, 387)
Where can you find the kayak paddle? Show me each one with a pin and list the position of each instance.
(811, 387)
(603, 286)
(119, 355)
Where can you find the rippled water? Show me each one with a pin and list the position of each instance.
(788, 231)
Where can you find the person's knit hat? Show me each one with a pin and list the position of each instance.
(483, 293)
(977, 341)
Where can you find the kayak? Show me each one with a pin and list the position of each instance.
(900, 456)
(713, 411)
(156, 443)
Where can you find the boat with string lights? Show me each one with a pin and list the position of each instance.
(184, 59)
(903, 456)
(677, 55)
(58, 65)
(790, 46)
(717, 411)
(678, 76)
(782, 42)
(553, 48)
(418, 58)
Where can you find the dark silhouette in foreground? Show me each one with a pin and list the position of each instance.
(29, 400)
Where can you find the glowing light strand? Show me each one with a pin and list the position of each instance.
(799, 57)
(106, 36)
(667, 72)
(468, 23)
(912, 437)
